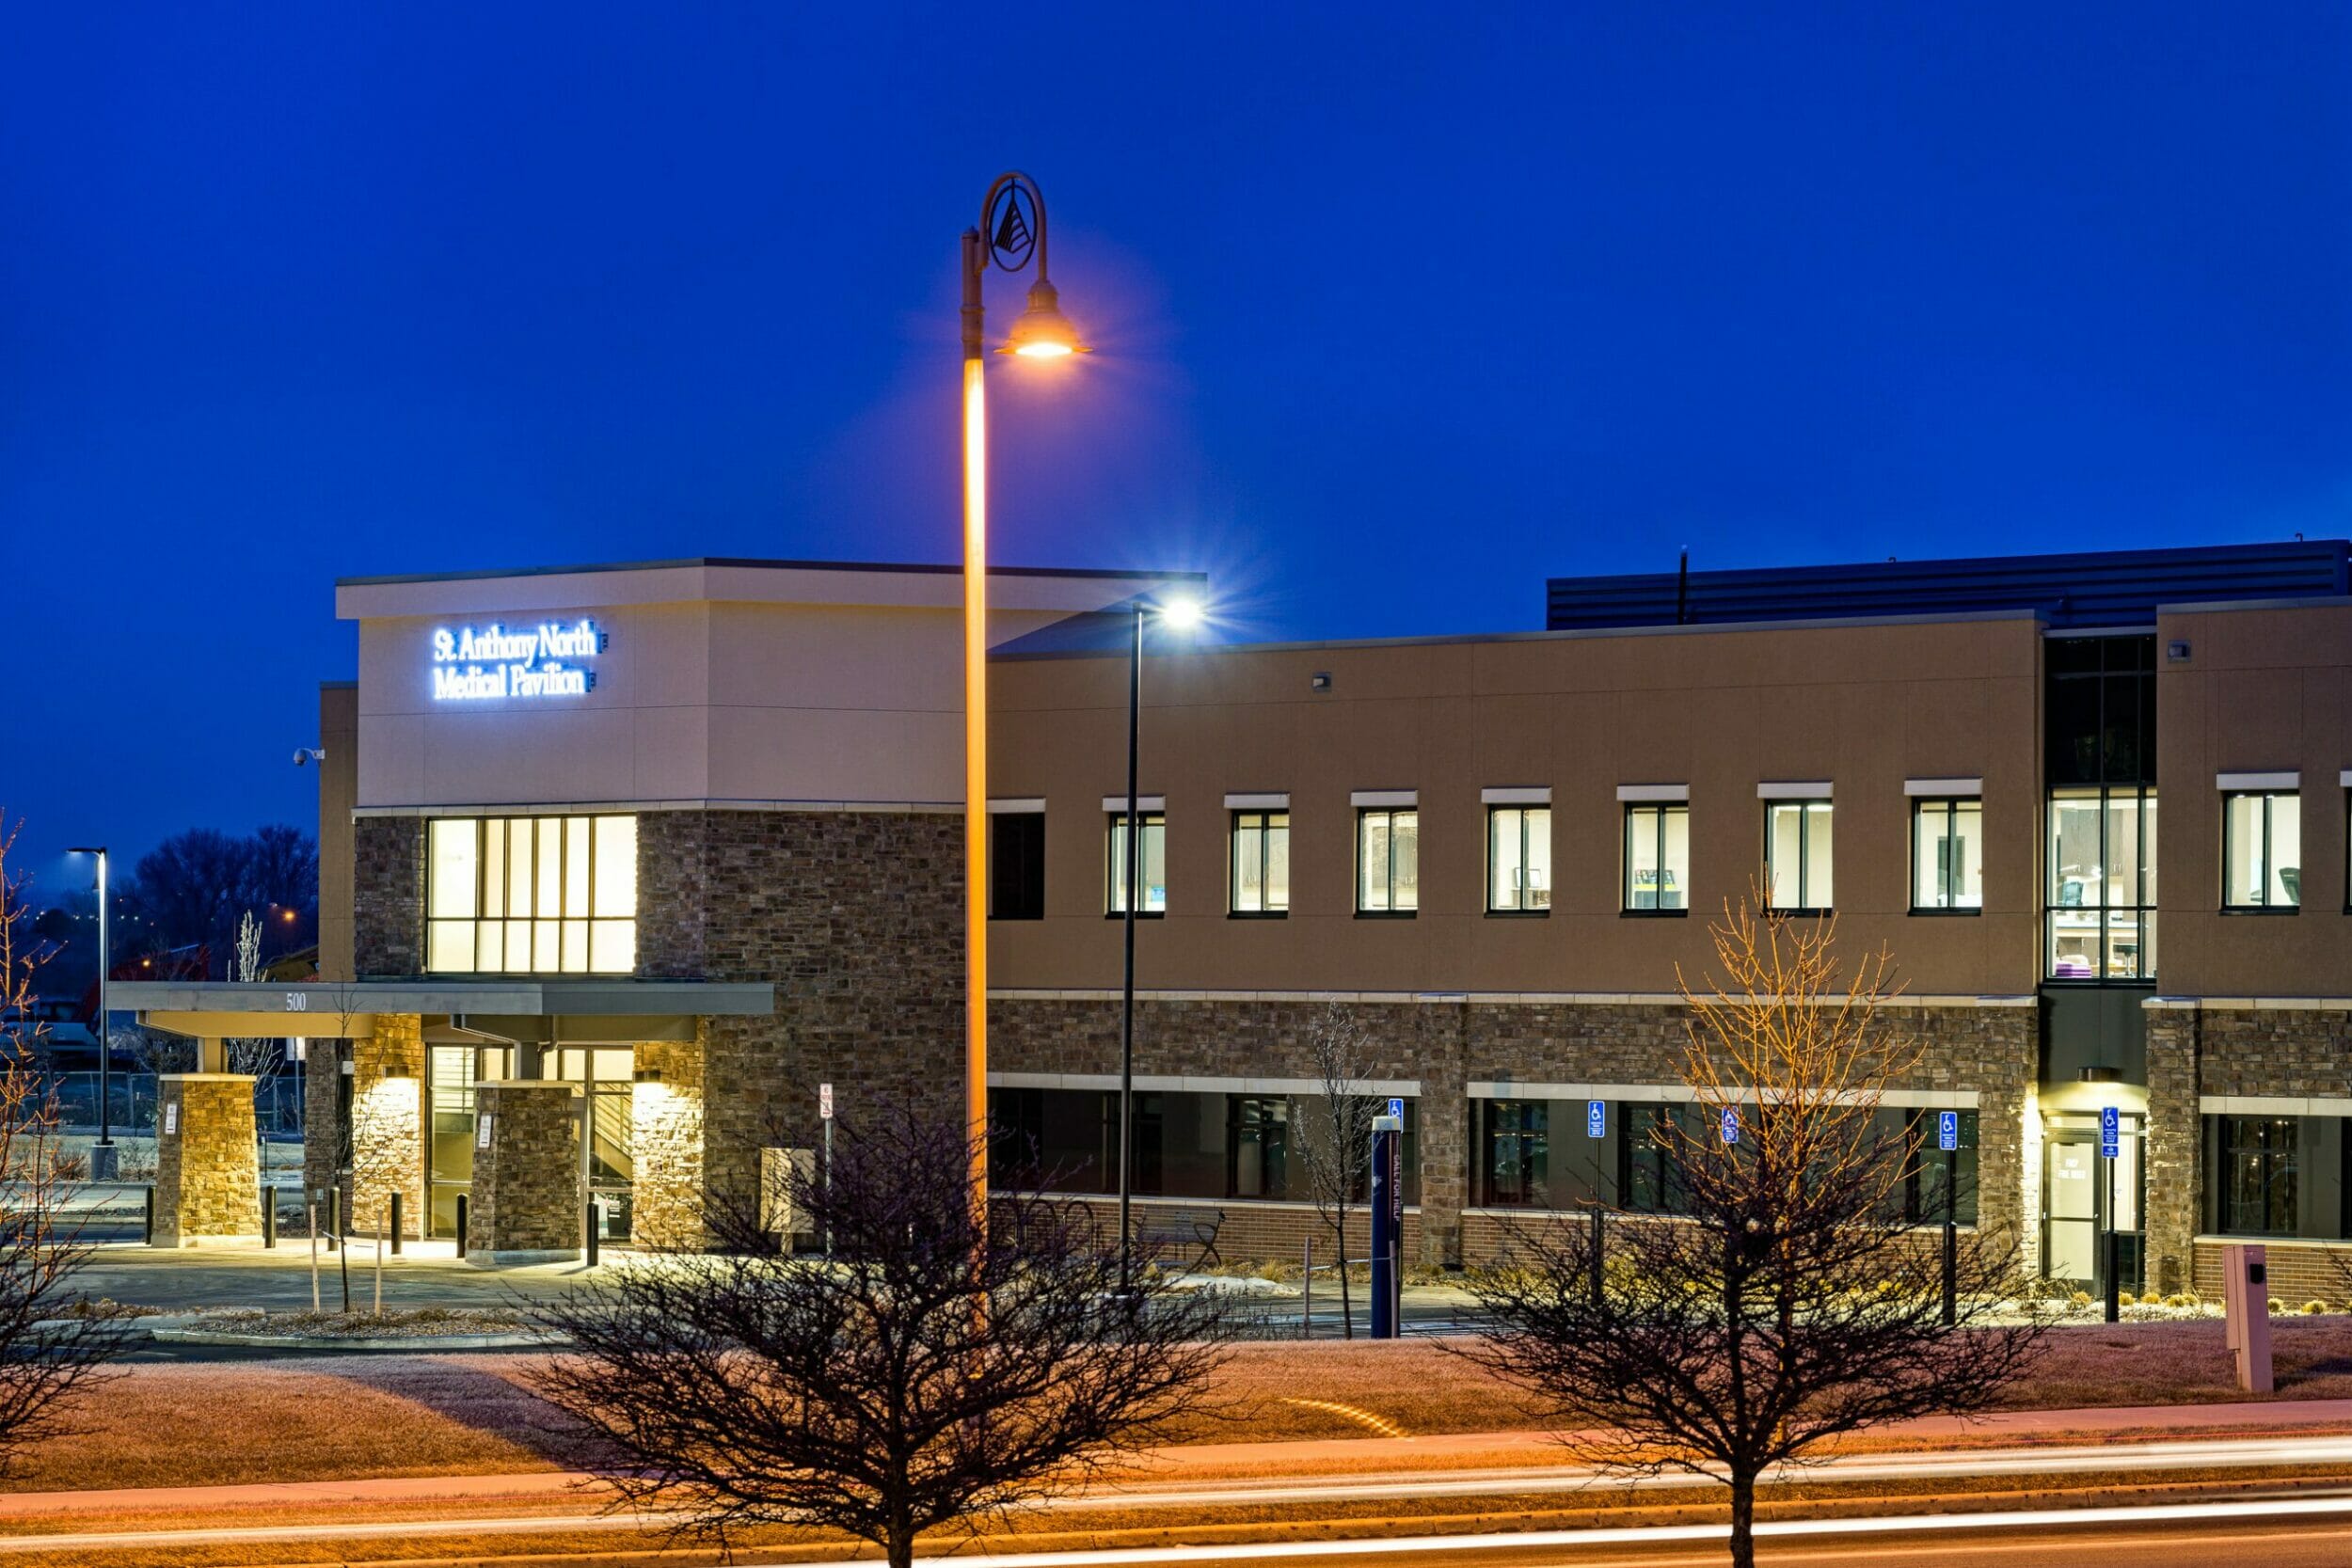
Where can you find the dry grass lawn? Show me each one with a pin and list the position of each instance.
(327, 1419)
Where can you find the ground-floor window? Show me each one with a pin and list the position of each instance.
(2277, 1176)
(1185, 1145)
(1515, 1135)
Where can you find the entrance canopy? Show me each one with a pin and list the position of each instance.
(565, 1010)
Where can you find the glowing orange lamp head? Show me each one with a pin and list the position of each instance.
(1042, 332)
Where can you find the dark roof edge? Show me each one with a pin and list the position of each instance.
(757, 565)
(1573, 634)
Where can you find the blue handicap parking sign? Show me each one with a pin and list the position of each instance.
(1397, 1109)
(2110, 1132)
(1947, 1131)
(1731, 1125)
(1596, 1119)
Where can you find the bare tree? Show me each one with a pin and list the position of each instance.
(49, 1355)
(934, 1371)
(1336, 1142)
(1786, 1301)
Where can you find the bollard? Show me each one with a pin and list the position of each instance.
(149, 1222)
(1600, 1256)
(310, 1223)
(269, 1215)
(1951, 1274)
(588, 1253)
(395, 1225)
(1307, 1293)
(2114, 1260)
(461, 1224)
(334, 1218)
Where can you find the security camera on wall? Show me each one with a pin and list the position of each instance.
(305, 756)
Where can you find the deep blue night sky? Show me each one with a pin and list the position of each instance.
(1401, 309)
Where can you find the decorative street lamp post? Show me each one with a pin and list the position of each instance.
(102, 1166)
(1011, 234)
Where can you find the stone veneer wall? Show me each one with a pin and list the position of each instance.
(2174, 1179)
(2197, 1049)
(1993, 1051)
(207, 1173)
(526, 1182)
(857, 919)
(669, 1142)
(388, 895)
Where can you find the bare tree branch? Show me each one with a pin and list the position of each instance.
(932, 1371)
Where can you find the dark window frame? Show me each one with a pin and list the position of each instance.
(1805, 907)
(1625, 869)
(2277, 1166)
(1532, 1137)
(1114, 864)
(1363, 816)
(1031, 906)
(2144, 907)
(1522, 912)
(1921, 805)
(2269, 798)
(1264, 835)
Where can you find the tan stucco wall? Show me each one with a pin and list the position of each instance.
(2262, 690)
(1721, 711)
(718, 684)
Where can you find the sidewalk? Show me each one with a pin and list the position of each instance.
(1194, 1462)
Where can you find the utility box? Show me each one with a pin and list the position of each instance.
(2245, 1307)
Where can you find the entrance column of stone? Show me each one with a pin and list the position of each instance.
(666, 1148)
(2173, 1176)
(525, 1207)
(207, 1168)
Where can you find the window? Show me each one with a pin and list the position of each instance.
(1257, 1145)
(1517, 1149)
(1262, 863)
(1658, 860)
(530, 896)
(1388, 861)
(1938, 1183)
(1649, 1153)
(1016, 865)
(2102, 894)
(2262, 850)
(1518, 859)
(1797, 854)
(1947, 854)
(1152, 874)
(2257, 1171)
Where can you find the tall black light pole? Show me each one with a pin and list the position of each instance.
(1181, 615)
(101, 1160)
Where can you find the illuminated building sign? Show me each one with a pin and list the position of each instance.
(475, 662)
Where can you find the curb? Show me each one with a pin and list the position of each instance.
(340, 1342)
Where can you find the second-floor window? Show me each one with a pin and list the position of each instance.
(1151, 868)
(2262, 849)
(1797, 854)
(1519, 859)
(1016, 864)
(1262, 863)
(1657, 859)
(1947, 854)
(1388, 860)
(530, 896)
(2101, 914)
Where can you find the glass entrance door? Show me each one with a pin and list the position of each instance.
(2083, 1193)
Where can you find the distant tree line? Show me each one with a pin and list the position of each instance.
(187, 897)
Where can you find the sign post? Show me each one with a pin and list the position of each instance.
(824, 1112)
(2110, 1244)
(1388, 1225)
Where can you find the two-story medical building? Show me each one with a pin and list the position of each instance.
(655, 850)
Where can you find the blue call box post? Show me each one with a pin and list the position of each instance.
(1388, 1225)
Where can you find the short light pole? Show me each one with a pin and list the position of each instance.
(103, 1164)
(1180, 614)
(1011, 234)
